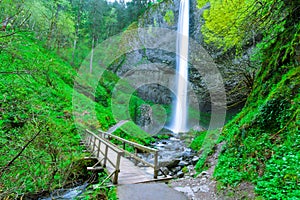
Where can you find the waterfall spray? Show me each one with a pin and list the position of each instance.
(180, 108)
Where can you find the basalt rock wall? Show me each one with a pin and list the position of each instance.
(165, 15)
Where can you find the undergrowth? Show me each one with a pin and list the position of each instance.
(262, 143)
(39, 138)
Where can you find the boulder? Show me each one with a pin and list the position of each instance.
(165, 171)
(195, 160)
(180, 174)
(169, 164)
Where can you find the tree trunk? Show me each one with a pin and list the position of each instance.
(53, 25)
(76, 32)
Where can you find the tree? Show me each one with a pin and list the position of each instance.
(227, 23)
(77, 6)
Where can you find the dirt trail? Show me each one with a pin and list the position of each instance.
(203, 187)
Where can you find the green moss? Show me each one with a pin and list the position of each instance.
(204, 142)
(185, 169)
(198, 141)
(201, 3)
(169, 17)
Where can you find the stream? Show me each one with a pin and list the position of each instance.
(173, 155)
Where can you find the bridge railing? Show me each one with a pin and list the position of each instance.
(100, 147)
(136, 147)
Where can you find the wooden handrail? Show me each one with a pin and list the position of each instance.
(94, 142)
(112, 146)
(105, 135)
(139, 146)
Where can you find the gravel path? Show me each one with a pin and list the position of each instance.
(149, 191)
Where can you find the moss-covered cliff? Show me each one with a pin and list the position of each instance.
(263, 141)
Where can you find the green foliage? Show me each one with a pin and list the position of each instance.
(273, 113)
(162, 136)
(69, 27)
(198, 141)
(169, 17)
(98, 191)
(204, 143)
(281, 177)
(226, 24)
(130, 131)
(201, 3)
(262, 142)
(185, 169)
(36, 95)
(35, 98)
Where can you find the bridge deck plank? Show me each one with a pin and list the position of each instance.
(129, 173)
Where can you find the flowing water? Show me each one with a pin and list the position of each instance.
(179, 116)
(66, 194)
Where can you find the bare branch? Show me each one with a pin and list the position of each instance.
(18, 72)
(19, 154)
(8, 35)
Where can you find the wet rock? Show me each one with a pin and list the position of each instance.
(165, 171)
(145, 116)
(172, 174)
(180, 174)
(195, 160)
(183, 163)
(170, 164)
(204, 174)
(191, 168)
(176, 169)
(187, 155)
(155, 17)
(71, 193)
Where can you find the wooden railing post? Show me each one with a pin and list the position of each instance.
(89, 140)
(99, 146)
(115, 180)
(94, 144)
(156, 164)
(136, 154)
(105, 156)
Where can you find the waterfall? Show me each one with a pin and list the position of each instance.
(180, 108)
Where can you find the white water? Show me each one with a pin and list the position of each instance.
(180, 108)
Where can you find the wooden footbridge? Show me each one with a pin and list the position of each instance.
(118, 161)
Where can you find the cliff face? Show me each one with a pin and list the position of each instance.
(165, 15)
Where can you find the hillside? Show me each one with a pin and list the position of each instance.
(262, 143)
(39, 138)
